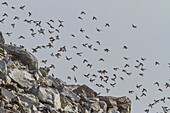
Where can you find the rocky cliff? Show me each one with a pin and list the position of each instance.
(25, 88)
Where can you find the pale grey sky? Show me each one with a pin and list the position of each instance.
(150, 40)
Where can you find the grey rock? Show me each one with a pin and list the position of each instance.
(2, 76)
(47, 95)
(21, 54)
(3, 66)
(20, 77)
(30, 100)
(7, 93)
(68, 93)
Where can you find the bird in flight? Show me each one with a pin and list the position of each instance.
(107, 25)
(82, 12)
(125, 47)
(94, 18)
(134, 26)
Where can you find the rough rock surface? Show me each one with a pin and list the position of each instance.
(25, 88)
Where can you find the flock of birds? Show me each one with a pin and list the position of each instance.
(101, 73)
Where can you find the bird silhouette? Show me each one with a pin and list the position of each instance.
(81, 30)
(80, 18)
(87, 75)
(98, 42)
(13, 25)
(2, 20)
(84, 61)
(68, 77)
(21, 37)
(60, 25)
(94, 18)
(80, 53)
(156, 83)
(8, 33)
(107, 90)
(146, 110)
(113, 85)
(5, 3)
(137, 98)
(89, 65)
(16, 18)
(157, 63)
(92, 80)
(22, 7)
(99, 30)
(29, 13)
(143, 58)
(106, 50)
(115, 69)
(75, 79)
(126, 65)
(126, 58)
(101, 59)
(131, 92)
(125, 47)
(68, 58)
(13, 7)
(134, 26)
(107, 25)
(5, 14)
(44, 61)
(82, 12)
(58, 55)
(72, 35)
(138, 86)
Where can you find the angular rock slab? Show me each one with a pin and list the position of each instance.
(30, 99)
(20, 77)
(21, 54)
(7, 93)
(47, 95)
(68, 93)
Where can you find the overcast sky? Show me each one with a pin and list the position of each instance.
(150, 40)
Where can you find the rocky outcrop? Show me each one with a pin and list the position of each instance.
(25, 88)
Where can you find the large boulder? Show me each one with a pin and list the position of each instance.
(21, 77)
(47, 95)
(21, 54)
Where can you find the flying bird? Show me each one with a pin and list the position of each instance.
(22, 7)
(98, 42)
(94, 18)
(80, 18)
(29, 14)
(107, 25)
(134, 26)
(99, 30)
(5, 3)
(82, 12)
(125, 47)
(157, 63)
